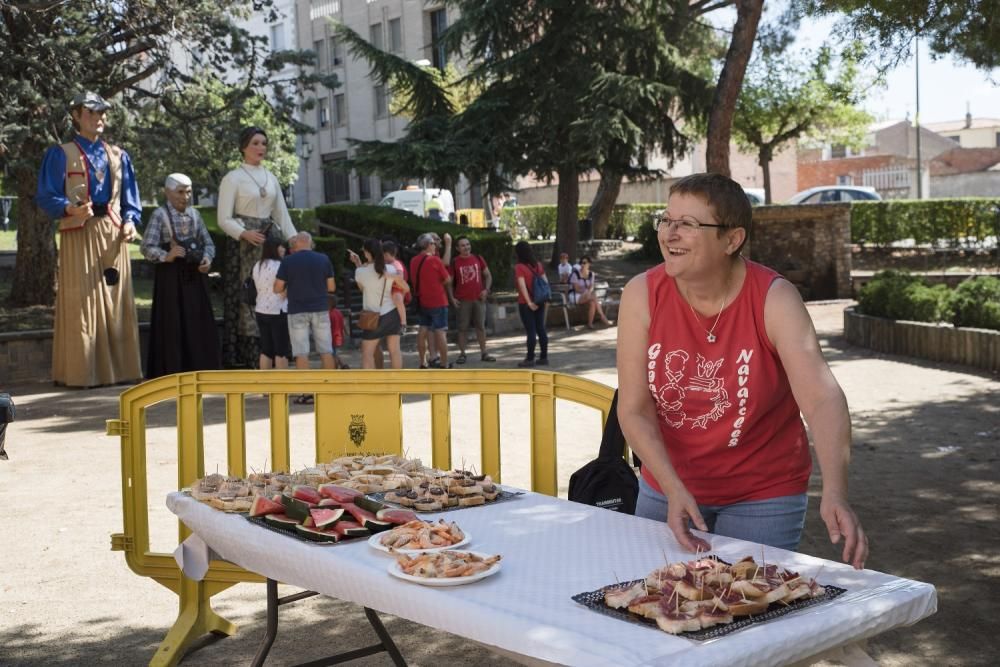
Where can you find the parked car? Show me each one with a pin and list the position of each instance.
(834, 194)
(755, 195)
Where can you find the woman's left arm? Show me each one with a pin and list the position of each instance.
(824, 406)
(204, 236)
(280, 212)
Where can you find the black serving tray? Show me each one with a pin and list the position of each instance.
(594, 601)
(502, 496)
(294, 534)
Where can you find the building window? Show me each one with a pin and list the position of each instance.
(395, 36)
(845, 179)
(336, 178)
(838, 151)
(387, 185)
(998, 139)
(336, 50)
(364, 187)
(375, 36)
(439, 21)
(278, 37)
(323, 112)
(381, 102)
(319, 47)
(339, 110)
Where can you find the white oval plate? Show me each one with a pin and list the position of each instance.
(374, 543)
(395, 571)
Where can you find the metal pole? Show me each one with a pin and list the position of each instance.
(916, 118)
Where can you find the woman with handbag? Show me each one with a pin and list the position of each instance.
(251, 210)
(182, 333)
(380, 319)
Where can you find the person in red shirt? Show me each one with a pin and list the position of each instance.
(717, 356)
(532, 314)
(336, 329)
(431, 283)
(472, 281)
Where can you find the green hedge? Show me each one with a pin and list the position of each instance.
(899, 295)
(626, 219)
(379, 221)
(952, 221)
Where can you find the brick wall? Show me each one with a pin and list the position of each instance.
(825, 172)
(810, 245)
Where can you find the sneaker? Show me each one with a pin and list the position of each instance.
(461, 358)
(542, 361)
(527, 363)
(488, 357)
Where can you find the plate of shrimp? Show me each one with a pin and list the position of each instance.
(417, 537)
(445, 568)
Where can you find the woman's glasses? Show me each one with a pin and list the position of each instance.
(685, 224)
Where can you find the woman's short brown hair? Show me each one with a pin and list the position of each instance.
(726, 197)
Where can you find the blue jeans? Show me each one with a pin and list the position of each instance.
(534, 325)
(776, 522)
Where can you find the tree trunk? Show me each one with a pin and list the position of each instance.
(720, 120)
(35, 271)
(567, 206)
(604, 202)
(764, 158)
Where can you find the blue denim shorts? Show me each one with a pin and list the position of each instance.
(434, 318)
(776, 522)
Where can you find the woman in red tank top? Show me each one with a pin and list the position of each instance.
(717, 355)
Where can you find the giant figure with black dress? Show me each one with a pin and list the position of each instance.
(182, 332)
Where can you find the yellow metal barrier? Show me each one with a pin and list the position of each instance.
(359, 409)
(476, 216)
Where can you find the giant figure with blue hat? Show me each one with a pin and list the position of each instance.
(88, 186)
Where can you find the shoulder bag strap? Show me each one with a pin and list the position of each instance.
(416, 274)
(613, 440)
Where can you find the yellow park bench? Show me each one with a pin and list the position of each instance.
(355, 411)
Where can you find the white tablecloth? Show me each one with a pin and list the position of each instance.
(553, 549)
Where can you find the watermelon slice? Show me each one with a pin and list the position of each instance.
(350, 529)
(329, 502)
(396, 516)
(324, 518)
(306, 493)
(262, 505)
(316, 534)
(367, 519)
(367, 503)
(341, 494)
(281, 521)
(295, 508)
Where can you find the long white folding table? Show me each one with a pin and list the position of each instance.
(553, 549)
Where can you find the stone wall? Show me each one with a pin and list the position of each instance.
(979, 348)
(810, 245)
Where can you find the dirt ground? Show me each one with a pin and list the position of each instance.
(925, 480)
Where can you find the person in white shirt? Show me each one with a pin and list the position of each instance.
(271, 309)
(376, 279)
(565, 268)
(251, 209)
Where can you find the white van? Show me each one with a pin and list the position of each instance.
(416, 201)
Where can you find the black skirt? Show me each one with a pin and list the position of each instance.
(182, 331)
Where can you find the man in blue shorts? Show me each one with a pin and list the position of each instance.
(308, 278)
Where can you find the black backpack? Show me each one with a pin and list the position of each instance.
(248, 294)
(607, 481)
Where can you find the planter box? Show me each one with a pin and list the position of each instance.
(979, 348)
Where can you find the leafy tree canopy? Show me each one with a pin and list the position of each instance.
(967, 29)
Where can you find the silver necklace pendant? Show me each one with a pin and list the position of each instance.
(263, 191)
(710, 337)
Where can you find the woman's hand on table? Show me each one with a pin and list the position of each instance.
(682, 511)
(842, 523)
(252, 237)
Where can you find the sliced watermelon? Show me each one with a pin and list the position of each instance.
(316, 534)
(396, 516)
(282, 521)
(295, 508)
(367, 519)
(306, 493)
(341, 494)
(324, 518)
(366, 503)
(262, 505)
(350, 529)
(329, 502)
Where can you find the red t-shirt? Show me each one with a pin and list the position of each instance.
(726, 412)
(396, 289)
(522, 270)
(337, 327)
(430, 282)
(467, 272)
